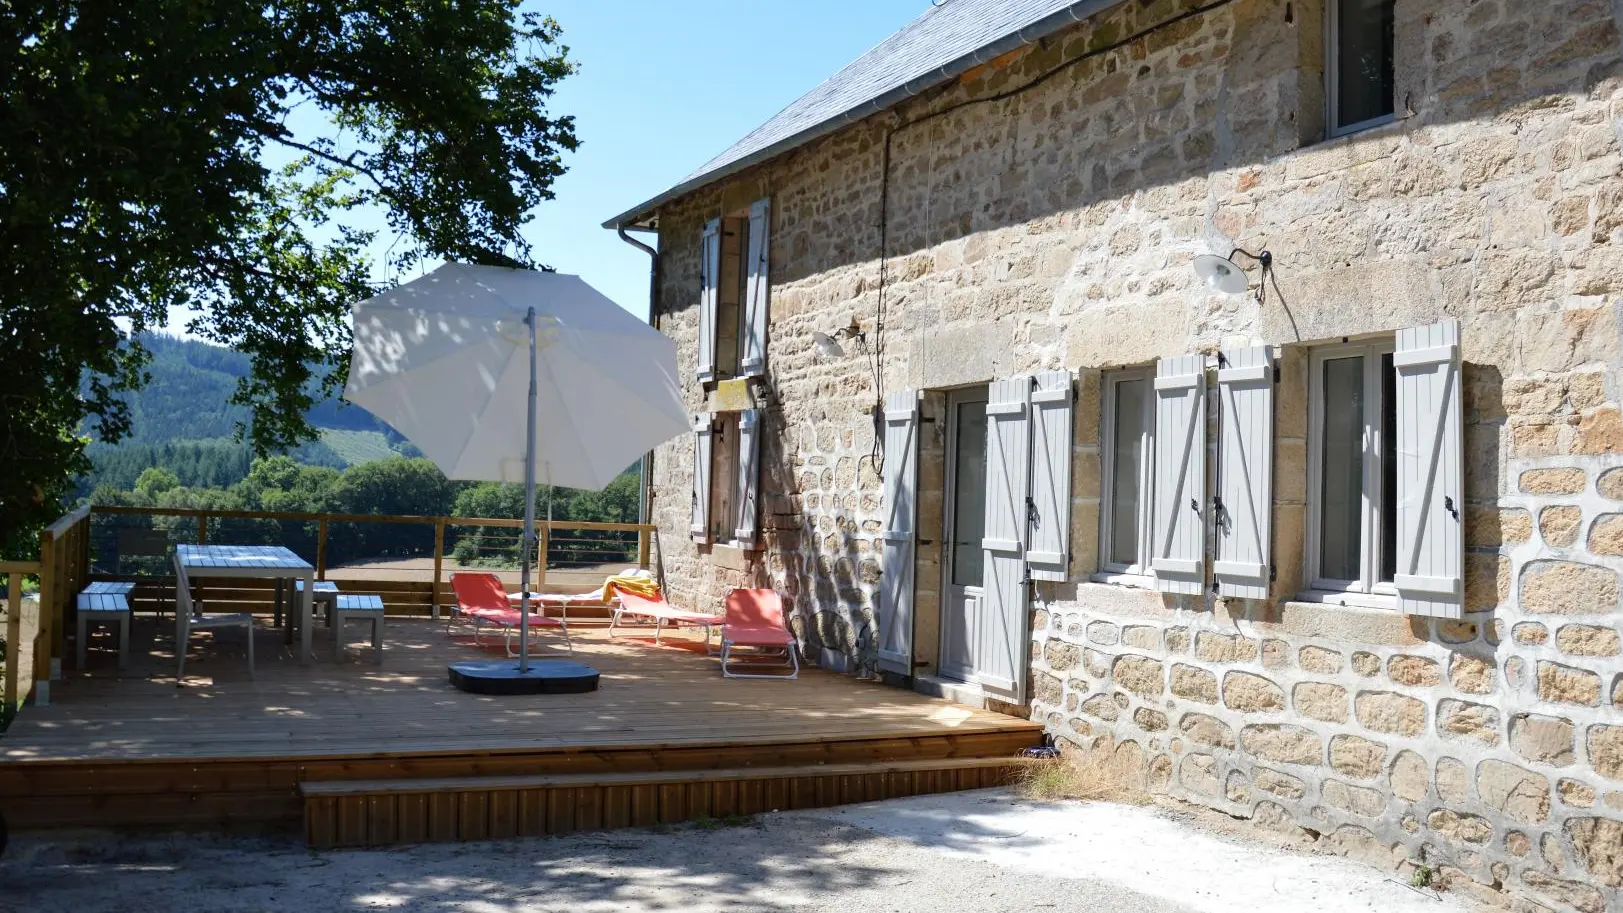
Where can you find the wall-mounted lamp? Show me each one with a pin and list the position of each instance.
(1222, 274)
(828, 346)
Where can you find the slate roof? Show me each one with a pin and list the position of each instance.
(942, 43)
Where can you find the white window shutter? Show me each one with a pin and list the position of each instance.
(1177, 547)
(758, 291)
(749, 473)
(703, 438)
(1245, 394)
(1048, 551)
(899, 535)
(1002, 653)
(1431, 549)
(709, 293)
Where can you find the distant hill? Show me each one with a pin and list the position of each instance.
(189, 396)
(183, 420)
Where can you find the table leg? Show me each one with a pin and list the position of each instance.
(306, 601)
(124, 640)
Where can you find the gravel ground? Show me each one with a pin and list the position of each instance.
(983, 852)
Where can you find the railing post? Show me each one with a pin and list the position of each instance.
(43, 635)
(321, 549)
(439, 562)
(202, 528)
(542, 544)
(14, 637)
(643, 542)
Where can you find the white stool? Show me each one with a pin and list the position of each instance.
(324, 591)
(348, 607)
(105, 602)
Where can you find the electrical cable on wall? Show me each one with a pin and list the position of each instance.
(884, 185)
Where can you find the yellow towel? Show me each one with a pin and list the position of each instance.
(646, 587)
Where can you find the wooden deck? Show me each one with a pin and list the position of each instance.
(132, 749)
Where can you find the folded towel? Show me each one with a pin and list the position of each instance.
(630, 583)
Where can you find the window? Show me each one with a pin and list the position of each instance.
(726, 480)
(734, 293)
(1359, 66)
(730, 297)
(724, 477)
(1352, 456)
(1129, 420)
(968, 474)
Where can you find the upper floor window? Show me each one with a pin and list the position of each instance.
(1359, 65)
(733, 294)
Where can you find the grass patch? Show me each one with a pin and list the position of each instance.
(357, 446)
(1085, 777)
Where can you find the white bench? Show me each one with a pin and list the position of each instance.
(356, 607)
(105, 602)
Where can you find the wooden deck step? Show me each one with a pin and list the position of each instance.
(359, 813)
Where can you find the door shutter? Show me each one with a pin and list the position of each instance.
(1000, 645)
(1178, 526)
(757, 292)
(709, 291)
(1431, 550)
(749, 473)
(1245, 393)
(895, 638)
(1048, 551)
(701, 477)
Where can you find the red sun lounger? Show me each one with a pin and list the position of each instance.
(755, 626)
(481, 602)
(661, 613)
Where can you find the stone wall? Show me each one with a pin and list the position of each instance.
(1055, 229)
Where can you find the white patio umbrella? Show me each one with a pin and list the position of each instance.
(496, 374)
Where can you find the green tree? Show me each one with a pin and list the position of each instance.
(399, 487)
(155, 480)
(136, 150)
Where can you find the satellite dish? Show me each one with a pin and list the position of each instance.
(827, 346)
(1221, 274)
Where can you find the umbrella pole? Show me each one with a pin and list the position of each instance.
(529, 512)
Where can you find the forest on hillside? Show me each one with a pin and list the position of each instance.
(183, 421)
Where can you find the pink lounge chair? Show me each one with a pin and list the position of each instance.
(661, 613)
(756, 625)
(481, 600)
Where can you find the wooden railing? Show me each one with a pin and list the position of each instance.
(11, 694)
(563, 543)
(69, 553)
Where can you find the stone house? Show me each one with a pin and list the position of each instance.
(1336, 549)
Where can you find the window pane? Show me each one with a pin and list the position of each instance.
(1364, 36)
(1342, 485)
(1128, 463)
(1389, 469)
(969, 495)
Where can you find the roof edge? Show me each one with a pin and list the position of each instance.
(636, 217)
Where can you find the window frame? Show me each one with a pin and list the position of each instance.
(724, 469)
(1113, 571)
(1332, 79)
(1369, 587)
(956, 398)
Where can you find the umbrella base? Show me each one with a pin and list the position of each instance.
(545, 676)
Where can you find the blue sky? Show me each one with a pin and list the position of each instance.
(663, 87)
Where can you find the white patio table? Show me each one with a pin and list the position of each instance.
(269, 561)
